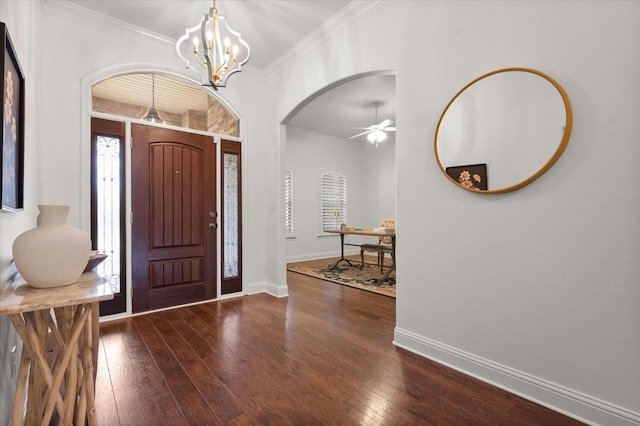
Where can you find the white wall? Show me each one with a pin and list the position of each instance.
(536, 290)
(370, 173)
(379, 188)
(20, 18)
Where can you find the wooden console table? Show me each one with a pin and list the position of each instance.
(62, 381)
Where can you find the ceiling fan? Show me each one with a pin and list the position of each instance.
(376, 133)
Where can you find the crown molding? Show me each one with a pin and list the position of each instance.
(341, 20)
(82, 15)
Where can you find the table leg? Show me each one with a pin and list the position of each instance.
(64, 385)
(63, 365)
(95, 336)
(90, 363)
(32, 327)
(66, 321)
(342, 259)
(23, 373)
(393, 259)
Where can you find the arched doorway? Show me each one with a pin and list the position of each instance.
(327, 133)
(176, 196)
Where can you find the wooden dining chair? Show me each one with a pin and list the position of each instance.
(383, 246)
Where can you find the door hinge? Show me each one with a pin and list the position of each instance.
(130, 143)
(131, 217)
(132, 294)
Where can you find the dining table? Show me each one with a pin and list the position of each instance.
(365, 232)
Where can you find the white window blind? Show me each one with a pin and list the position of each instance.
(288, 201)
(333, 200)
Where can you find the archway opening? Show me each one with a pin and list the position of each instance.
(326, 136)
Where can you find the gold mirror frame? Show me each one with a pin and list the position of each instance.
(546, 166)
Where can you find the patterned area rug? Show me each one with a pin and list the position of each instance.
(369, 278)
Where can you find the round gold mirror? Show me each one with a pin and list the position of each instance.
(503, 130)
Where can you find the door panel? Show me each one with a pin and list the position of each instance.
(173, 196)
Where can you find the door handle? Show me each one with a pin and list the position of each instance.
(212, 226)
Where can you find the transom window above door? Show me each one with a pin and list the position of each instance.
(178, 102)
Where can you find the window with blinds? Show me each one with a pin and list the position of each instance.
(288, 202)
(333, 200)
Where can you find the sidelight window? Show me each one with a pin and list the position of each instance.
(108, 207)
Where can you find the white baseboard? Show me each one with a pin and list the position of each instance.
(326, 255)
(558, 398)
(276, 290)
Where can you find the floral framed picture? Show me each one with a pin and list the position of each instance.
(13, 99)
(472, 177)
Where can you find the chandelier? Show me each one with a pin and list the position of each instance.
(217, 48)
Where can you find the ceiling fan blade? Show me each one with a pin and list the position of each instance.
(389, 129)
(384, 124)
(359, 134)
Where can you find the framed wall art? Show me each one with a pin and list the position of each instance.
(13, 99)
(472, 176)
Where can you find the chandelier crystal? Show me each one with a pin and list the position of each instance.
(215, 47)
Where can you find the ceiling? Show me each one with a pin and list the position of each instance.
(167, 93)
(270, 28)
(340, 111)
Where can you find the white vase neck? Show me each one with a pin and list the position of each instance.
(53, 214)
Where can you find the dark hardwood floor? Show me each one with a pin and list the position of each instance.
(324, 355)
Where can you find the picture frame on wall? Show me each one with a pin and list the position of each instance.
(472, 176)
(12, 99)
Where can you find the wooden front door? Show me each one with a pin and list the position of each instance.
(174, 224)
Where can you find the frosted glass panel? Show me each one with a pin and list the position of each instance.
(230, 220)
(108, 208)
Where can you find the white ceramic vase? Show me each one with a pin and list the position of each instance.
(54, 253)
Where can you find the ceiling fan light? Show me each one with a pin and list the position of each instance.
(377, 136)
